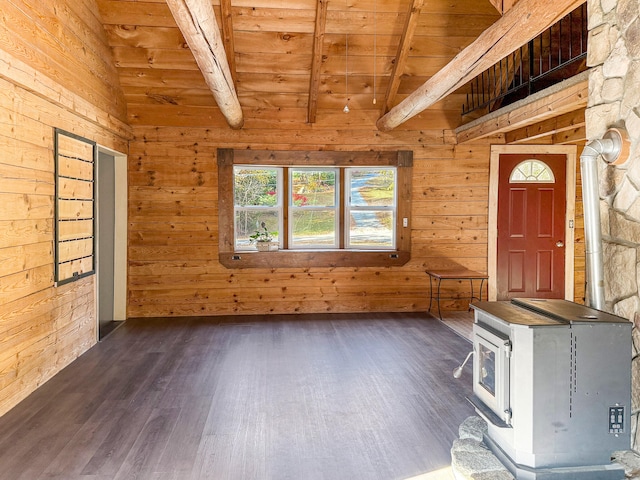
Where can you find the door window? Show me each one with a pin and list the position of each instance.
(532, 171)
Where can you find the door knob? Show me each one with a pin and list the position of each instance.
(559, 243)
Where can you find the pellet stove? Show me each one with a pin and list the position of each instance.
(552, 379)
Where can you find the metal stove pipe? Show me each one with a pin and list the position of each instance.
(610, 147)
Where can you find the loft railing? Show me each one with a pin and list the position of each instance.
(556, 54)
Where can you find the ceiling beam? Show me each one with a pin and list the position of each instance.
(227, 36)
(515, 28)
(567, 96)
(316, 61)
(403, 52)
(570, 121)
(197, 22)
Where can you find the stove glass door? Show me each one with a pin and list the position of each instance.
(491, 370)
(487, 360)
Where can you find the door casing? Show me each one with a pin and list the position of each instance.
(492, 255)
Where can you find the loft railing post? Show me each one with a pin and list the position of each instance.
(531, 55)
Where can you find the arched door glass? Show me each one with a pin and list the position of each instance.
(532, 171)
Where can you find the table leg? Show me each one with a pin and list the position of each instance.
(438, 298)
(430, 293)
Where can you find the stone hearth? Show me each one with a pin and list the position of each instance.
(471, 459)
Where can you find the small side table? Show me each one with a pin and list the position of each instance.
(461, 274)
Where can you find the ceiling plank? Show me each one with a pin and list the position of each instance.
(567, 96)
(404, 47)
(316, 61)
(568, 121)
(197, 22)
(227, 37)
(515, 28)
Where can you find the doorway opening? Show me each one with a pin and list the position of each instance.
(111, 242)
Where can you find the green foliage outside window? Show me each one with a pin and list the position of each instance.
(255, 187)
(312, 200)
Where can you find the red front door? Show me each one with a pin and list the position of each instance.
(531, 226)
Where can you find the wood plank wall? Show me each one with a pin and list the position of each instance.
(173, 233)
(55, 71)
(173, 267)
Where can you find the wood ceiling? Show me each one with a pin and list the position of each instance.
(273, 45)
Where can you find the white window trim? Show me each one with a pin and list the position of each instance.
(369, 208)
(335, 208)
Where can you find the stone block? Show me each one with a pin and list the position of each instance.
(596, 15)
(599, 45)
(495, 475)
(633, 164)
(604, 218)
(632, 35)
(474, 428)
(626, 13)
(469, 458)
(612, 89)
(631, 97)
(627, 308)
(635, 337)
(608, 5)
(469, 445)
(635, 395)
(596, 81)
(610, 180)
(627, 232)
(618, 61)
(600, 117)
(626, 196)
(619, 278)
(633, 212)
(632, 124)
(630, 460)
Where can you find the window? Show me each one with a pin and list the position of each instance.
(257, 193)
(371, 207)
(314, 198)
(532, 171)
(323, 208)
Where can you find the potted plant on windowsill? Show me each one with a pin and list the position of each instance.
(263, 239)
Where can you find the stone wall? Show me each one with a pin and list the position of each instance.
(614, 100)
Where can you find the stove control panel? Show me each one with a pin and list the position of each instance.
(616, 419)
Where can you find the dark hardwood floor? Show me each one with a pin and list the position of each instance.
(366, 396)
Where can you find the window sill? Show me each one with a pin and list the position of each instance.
(311, 258)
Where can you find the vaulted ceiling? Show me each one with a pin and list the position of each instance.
(273, 58)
